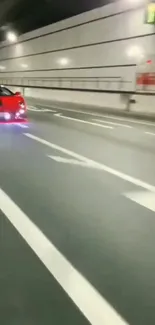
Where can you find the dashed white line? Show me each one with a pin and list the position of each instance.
(113, 123)
(105, 168)
(93, 306)
(82, 121)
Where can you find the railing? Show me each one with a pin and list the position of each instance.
(89, 83)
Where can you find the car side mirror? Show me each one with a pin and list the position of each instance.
(17, 93)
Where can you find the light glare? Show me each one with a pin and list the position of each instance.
(135, 52)
(7, 116)
(21, 111)
(63, 61)
(24, 65)
(11, 37)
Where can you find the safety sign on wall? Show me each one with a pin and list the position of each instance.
(150, 12)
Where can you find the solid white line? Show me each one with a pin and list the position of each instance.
(146, 199)
(100, 166)
(149, 133)
(93, 306)
(114, 123)
(85, 122)
(103, 115)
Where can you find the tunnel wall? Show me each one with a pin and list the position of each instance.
(105, 42)
(143, 102)
(76, 97)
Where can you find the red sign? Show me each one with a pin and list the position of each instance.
(146, 79)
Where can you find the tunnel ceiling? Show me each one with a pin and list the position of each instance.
(26, 15)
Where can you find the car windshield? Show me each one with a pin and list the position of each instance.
(5, 92)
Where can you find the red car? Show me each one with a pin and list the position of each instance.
(12, 106)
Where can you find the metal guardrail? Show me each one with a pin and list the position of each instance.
(92, 83)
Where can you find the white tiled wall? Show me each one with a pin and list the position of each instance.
(114, 56)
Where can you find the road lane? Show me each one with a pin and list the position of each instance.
(142, 125)
(73, 283)
(73, 109)
(83, 121)
(113, 123)
(107, 237)
(128, 150)
(29, 294)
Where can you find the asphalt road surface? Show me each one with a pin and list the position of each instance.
(77, 220)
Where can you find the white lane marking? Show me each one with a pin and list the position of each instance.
(146, 199)
(61, 149)
(24, 126)
(103, 167)
(114, 123)
(103, 115)
(73, 162)
(85, 122)
(129, 120)
(149, 133)
(83, 294)
(42, 110)
(65, 160)
(57, 114)
(32, 108)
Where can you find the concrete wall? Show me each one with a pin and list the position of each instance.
(105, 42)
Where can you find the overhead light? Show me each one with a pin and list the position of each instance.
(63, 61)
(24, 65)
(11, 37)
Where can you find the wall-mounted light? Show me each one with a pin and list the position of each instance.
(24, 65)
(63, 61)
(135, 51)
